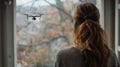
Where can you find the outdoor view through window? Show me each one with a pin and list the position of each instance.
(43, 27)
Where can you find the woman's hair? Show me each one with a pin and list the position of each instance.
(89, 37)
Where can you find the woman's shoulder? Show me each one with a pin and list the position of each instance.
(69, 51)
(66, 51)
(113, 60)
(112, 54)
(68, 57)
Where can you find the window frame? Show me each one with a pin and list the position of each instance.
(117, 9)
(7, 35)
(8, 53)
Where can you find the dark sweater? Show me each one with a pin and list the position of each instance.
(71, 57)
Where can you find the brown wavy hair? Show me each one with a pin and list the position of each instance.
(89, 37)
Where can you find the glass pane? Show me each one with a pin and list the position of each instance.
(119, 29)
(119, 33)
(43, 27)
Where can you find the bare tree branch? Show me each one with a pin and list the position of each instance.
(61, 9)
(55, 38)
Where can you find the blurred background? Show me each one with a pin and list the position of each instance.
(39, 39)
(34, 31)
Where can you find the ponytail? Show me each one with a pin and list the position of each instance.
(89, 37)
(91, 40)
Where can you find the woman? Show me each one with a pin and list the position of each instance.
(91, 45)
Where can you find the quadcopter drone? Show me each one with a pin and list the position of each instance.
(33, 16)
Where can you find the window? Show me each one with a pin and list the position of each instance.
(43, 27)
(117, 28)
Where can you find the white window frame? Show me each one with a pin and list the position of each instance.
(117, 34)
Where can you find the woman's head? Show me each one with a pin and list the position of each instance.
(89, 37)
(86, 24)
(86, 11)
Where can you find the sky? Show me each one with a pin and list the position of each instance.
(29, 2)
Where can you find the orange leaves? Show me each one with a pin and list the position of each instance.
(41, 52)
(51, 34)
(64, 27)
(31, 59)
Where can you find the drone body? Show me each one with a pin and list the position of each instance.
(33, 16)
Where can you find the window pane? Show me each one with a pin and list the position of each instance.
(119, 29)
(43, 27)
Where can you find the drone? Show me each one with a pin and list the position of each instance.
(33, 16)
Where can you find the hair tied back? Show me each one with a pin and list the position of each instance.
(91, 17)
